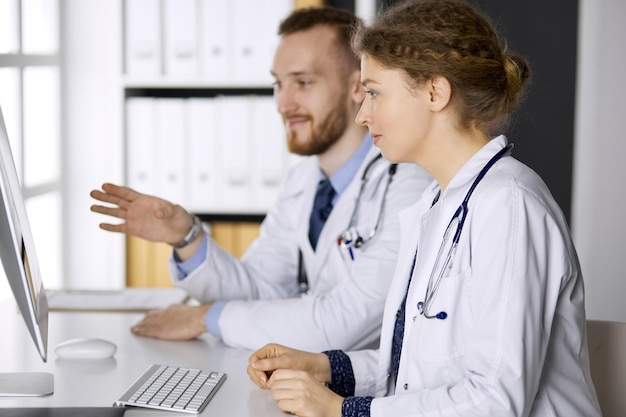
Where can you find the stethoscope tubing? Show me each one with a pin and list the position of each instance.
(303, 283)
(359, 241)
(460, 214)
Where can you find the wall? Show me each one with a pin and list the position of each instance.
(91, 39)
(599, 192)
(542, 129)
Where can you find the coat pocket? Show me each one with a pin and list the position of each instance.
(443, 339)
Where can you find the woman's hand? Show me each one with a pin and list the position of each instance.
(297, 392)
(271, 357)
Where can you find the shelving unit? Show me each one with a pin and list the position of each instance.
(234, 224)
(94, 91)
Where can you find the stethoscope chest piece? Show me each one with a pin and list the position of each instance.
(350, 239)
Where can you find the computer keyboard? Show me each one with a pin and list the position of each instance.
(172, 388)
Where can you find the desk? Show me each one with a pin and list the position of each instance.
(99, 383)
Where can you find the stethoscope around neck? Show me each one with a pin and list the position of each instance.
(351, 238)
(459, 218)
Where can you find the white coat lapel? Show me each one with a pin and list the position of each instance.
(340, 216)
(410, 222)
(310, 179)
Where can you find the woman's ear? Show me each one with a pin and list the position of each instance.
(440, 92)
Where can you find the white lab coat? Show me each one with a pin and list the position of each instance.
(514, 341)
(343, 308)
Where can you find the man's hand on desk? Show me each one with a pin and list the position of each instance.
(176, 322)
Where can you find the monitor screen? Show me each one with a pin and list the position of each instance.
(19, 260)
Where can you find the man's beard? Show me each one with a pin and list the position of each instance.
(324, 135)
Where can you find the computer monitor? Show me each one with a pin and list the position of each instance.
(17, 252)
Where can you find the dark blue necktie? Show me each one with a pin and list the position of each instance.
(322, 206)
(398, 329)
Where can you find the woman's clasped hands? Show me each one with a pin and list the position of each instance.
(297, 380)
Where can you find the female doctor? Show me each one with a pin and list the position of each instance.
(485, 315)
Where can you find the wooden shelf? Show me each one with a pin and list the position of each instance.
(146, 262)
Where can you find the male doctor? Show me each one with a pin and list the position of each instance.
(291, 286)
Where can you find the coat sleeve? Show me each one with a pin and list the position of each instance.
(347, 316)
(365, 369)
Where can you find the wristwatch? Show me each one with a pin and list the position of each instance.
(191, 235)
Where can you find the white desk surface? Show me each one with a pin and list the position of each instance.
(99, 383)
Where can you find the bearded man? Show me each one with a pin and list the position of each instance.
(295, 285)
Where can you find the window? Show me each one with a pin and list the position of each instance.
(30, 101)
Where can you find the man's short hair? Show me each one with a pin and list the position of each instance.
(343, 22)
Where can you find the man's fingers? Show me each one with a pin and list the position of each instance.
(139, 329)
(146, 327)
(114, 199)
(99, 195)
(120, 191)
(109, 211)
(145, 330)
(119, 228)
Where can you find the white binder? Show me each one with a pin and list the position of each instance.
(246, 33)
(140, 150)
(171, 148)
(270, 14)
(255, 36)
(234, 163)
(215, 45)
(269, 152)
(202, 173)
(180, 37)
(143, 37)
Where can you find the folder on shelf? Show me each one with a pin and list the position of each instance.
(270, 14)
(269, 152)
(246, 35)
(143, 37)
(255, 36)
(171, 148)
(203, 155)
(180, 39)
(215, 46)
(140, 134)
(234, 162)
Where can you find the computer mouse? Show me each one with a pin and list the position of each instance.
(85, 348)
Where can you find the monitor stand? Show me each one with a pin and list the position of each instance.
(26, 384)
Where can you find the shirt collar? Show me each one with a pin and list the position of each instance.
(341, 179)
